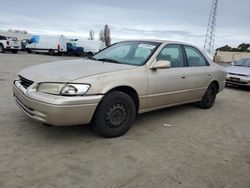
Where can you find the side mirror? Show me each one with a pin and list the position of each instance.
(161, 64)
(233, 63)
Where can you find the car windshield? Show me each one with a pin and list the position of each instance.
(130, 52)
(243, 62)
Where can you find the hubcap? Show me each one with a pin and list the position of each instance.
(116, 115)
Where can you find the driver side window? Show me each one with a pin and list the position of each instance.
(172, 53)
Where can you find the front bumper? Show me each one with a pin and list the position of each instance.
(238, 80)
(56, 110)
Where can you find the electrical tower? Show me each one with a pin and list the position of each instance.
(210, 35)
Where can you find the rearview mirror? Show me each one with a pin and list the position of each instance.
(161, 64)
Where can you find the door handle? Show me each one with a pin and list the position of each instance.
(183, 77)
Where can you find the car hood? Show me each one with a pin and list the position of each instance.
(238, 70)
(67, 71)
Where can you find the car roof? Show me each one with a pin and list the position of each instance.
(159, 41)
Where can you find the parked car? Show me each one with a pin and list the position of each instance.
(239, 73)
(116, 84)
(9, 44)
(47, 44)
(74, 50)
(90, 47)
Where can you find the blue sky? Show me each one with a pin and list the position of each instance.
(184, 20)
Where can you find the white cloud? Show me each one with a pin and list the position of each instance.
(130, 19)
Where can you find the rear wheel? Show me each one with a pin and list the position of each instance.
(208, 99)
(114, 115)
(51, 52)
(28, 50)
(1, 48)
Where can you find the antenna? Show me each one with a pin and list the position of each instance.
(210, 35)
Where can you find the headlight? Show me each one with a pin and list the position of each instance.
(51, 88)
(75, 89)
(63, 89)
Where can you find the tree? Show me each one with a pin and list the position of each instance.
(91, 34)
(224, 48)
(106, 34)
(243, 47)
(101, 36)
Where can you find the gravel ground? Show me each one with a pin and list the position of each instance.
(201, 148)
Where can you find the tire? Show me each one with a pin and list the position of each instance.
(1, 48)
(51, 52)
(89, 54)
(28, 50)
(14, 51)
(209, 97)
(114, 115)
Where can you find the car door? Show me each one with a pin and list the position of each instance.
(199, 72)
(168, 86)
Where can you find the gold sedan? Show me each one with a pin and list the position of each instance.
(116, 84)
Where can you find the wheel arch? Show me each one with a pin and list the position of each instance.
(129, 91)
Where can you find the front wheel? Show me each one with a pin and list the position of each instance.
(208, 99)
(114, 115)
(1, 48)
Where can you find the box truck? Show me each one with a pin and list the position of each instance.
(90, 46)
(47, 44)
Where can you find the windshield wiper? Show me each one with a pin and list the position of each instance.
(108, 60)
(92, 58)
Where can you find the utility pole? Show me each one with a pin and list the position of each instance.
(210, 35)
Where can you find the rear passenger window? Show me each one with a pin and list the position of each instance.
(172, 53)
(194, 57)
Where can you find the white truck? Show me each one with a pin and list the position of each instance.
(90, 47)
(9, 44)
(47, 44)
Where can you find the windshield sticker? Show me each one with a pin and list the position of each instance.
(147, 46)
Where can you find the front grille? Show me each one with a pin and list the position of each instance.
(236, 74)
(25, 82)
